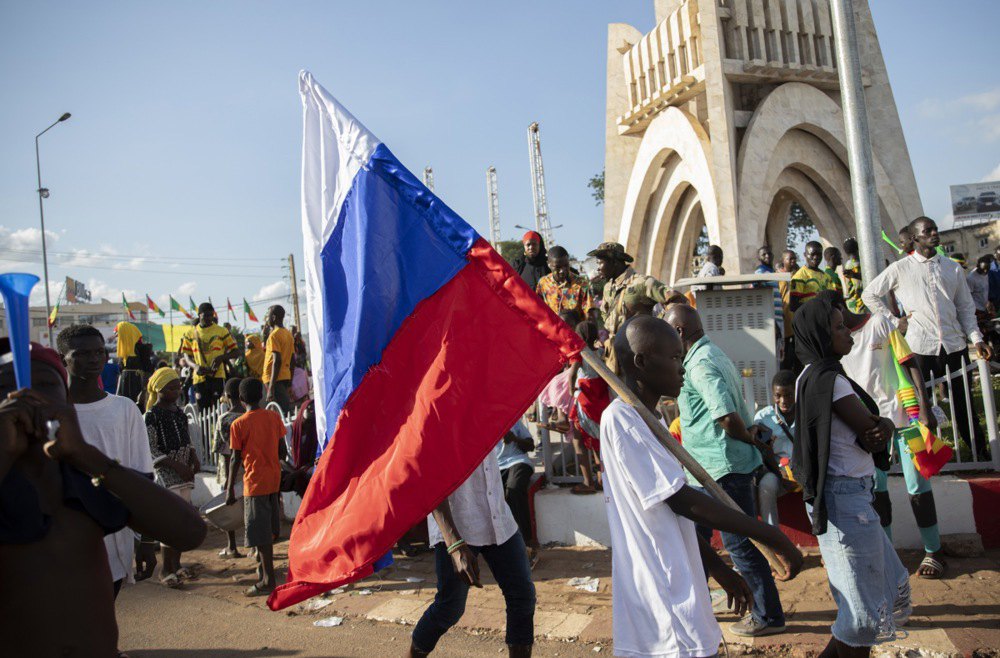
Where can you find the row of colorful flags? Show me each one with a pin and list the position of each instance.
(154, 308)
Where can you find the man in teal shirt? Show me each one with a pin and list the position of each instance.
(718, 432)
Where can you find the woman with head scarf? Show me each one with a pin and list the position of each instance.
(174, 460)
(534, 263)
(839, 439)
(255, 356)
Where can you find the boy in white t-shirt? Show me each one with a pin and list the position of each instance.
(660, 602)
(111, 423)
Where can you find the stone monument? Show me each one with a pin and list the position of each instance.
(725, 114)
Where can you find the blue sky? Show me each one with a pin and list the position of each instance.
(179, 170)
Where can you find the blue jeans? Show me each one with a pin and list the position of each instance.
(869, 584)
(750, 562)
(509, 564)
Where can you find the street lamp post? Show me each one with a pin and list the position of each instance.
(43, 193)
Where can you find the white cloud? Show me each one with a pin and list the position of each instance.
(992, 176)
(271, 290)
(106, 256)
(99, 289)
(187, 288)
(21, 249)
(989, 127)
(978, 113)
(986, 101)
(37, 297)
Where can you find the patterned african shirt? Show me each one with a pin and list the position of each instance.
(572, 295)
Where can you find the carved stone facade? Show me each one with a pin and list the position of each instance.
(726, 113)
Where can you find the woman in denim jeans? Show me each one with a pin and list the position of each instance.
(839, 439)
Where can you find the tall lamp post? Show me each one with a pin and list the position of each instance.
(43, 193)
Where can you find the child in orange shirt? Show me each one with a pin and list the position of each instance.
(257, 441)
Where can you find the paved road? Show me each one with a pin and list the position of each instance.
(186, 624)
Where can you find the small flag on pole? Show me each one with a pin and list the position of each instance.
(131, 316)
(153, 307)
(52, 316)
(249, 311)
(929, 453)
(194, 307)
(229, 306)
(176, 306)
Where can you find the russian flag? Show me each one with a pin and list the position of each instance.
(426, 347)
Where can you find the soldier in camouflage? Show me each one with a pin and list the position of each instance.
(613, 266)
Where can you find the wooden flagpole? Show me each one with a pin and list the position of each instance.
(672, 446)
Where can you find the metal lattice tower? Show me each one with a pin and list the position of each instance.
(494, 203)
(429, 178)
(542, 224)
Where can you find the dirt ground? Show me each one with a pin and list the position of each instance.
(209, 616)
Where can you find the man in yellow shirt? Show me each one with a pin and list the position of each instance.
(206, 349)
(809, 281)
(278, 356)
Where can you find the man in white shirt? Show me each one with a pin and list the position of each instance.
(935, 293)
(111, 423)
(475, 520)
(712, 266)
(660, 602)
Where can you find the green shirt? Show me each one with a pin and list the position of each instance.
(713, 389)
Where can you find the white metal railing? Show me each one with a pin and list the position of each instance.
(202, 425)
(982, 450)
(558, 453)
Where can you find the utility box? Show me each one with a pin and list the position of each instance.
(740, 320)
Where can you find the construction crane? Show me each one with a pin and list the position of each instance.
(494, 201)
(429, 178)
(542, 224)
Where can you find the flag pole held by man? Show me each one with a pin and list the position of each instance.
(426, 347)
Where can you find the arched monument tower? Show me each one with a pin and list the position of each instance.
(726, 113)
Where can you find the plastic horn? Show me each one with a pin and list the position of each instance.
(15, 288)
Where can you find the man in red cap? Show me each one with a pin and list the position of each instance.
(533, 265)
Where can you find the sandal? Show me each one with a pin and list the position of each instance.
(582, 490)
(936, 566)
(185, 573)
(257, 590)
(171, 580)
(230, 553)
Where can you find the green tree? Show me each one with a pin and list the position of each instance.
(801, 228)
(510, 249)
(596, 185)
(701, 244)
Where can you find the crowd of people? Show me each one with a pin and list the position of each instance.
(837, 416)
(121, 465)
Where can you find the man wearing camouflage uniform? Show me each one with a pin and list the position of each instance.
(613, 266)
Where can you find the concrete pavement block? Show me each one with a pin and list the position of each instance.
(398, 611)
(547, 621)
(571, 627)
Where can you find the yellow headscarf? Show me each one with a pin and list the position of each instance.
(157, 382)
(255, 356)
(128, 336)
